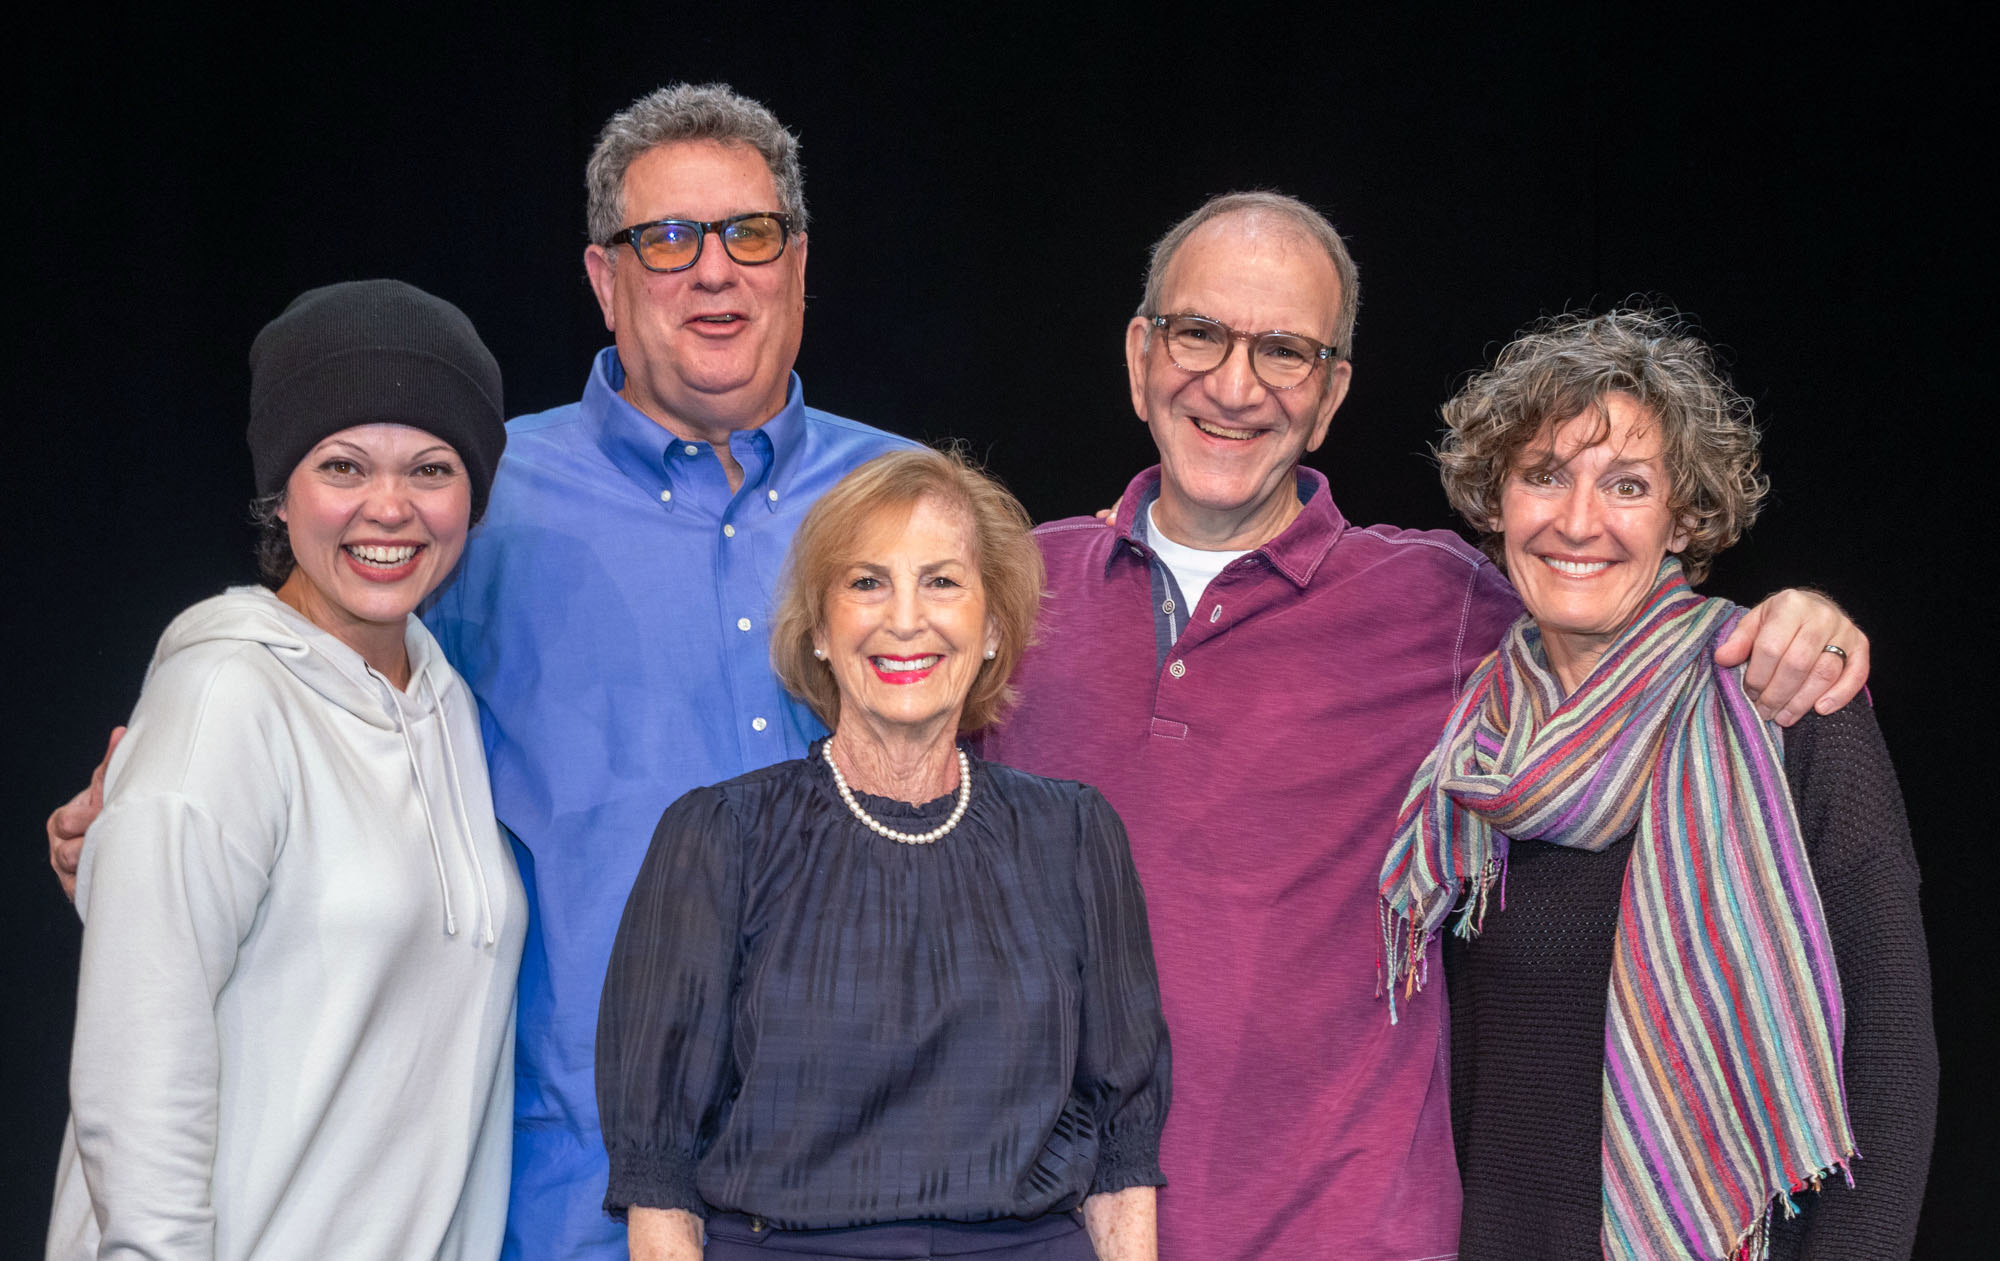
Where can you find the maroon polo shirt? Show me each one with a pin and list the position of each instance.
(1258, 760)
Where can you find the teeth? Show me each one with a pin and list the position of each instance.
(1576, 568)
(388, 557)
(1234, 435)
(897, 665)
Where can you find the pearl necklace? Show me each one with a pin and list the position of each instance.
(878, 827)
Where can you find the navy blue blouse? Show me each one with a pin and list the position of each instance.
(810, 1023)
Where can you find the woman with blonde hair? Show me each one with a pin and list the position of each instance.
(889, 1000)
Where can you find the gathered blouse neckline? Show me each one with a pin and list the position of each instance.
(886, 808)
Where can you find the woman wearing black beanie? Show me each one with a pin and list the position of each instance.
(301, 924)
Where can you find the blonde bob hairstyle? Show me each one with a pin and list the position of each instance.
(1562, 368)
(886, 490)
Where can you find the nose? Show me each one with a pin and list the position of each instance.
(714, 269)
(1233, 383)
(388, 501)
(1577, 516)
(906, 610)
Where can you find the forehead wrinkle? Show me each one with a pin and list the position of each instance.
(1258, 259)
(1593, 428)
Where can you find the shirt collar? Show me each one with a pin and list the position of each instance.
(643, 450)
(1298, 550)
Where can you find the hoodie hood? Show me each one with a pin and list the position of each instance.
(338, 675)
(314, 656)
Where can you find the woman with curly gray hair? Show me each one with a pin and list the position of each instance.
(1707, 996)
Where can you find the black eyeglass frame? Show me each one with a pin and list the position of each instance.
(1321, 352)
(630, 236)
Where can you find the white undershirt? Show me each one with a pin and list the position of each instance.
(1191, 567)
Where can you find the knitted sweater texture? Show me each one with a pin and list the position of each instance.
(1528, 1006)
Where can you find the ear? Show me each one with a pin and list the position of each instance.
(603, 272)
(1135, 362)
(1681, 537)
(992, 634)
(1337, 378)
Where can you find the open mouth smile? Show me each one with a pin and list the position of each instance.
(904, 669)
(1576, 568)
(382, 562)
(1214, 430)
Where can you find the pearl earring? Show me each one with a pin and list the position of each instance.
(991, 653)
(820, 653)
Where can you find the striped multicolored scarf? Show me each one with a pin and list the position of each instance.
(1722, 1081)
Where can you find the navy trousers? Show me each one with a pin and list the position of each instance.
(1053, 1237)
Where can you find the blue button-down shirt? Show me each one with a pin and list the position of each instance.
(611, 616)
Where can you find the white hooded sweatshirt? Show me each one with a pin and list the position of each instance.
(295, 1013)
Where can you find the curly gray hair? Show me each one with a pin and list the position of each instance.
(1562, 368)
(1308, 222)
(689, 111)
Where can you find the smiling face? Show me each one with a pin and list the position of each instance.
(377, 516)
(707, 350)
(906, 627)
(1585, 529)
(1228, 444)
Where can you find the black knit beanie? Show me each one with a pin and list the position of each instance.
(368, 352)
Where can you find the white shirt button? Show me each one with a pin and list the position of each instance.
(666, 496)
(1217, 614)
(1178, 668)
(758, 724)
(692, 449)
(742, 623)
(1167, 605)
(729, 531)
(771, 495)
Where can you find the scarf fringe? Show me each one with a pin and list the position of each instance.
(1755, 1242)
(1404, 954)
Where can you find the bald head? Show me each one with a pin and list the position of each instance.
(1261, 215)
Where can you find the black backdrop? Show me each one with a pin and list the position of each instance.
(984, 187)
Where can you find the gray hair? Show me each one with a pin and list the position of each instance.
(1562, 368)
(1308, 222)
(689, 111)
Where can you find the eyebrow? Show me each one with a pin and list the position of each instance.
(927, 567)
(341, 446)
(1545, 458)
(1289, 332)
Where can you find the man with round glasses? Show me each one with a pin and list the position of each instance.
(1252, 681)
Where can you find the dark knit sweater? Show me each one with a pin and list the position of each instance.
(1527, 1022)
